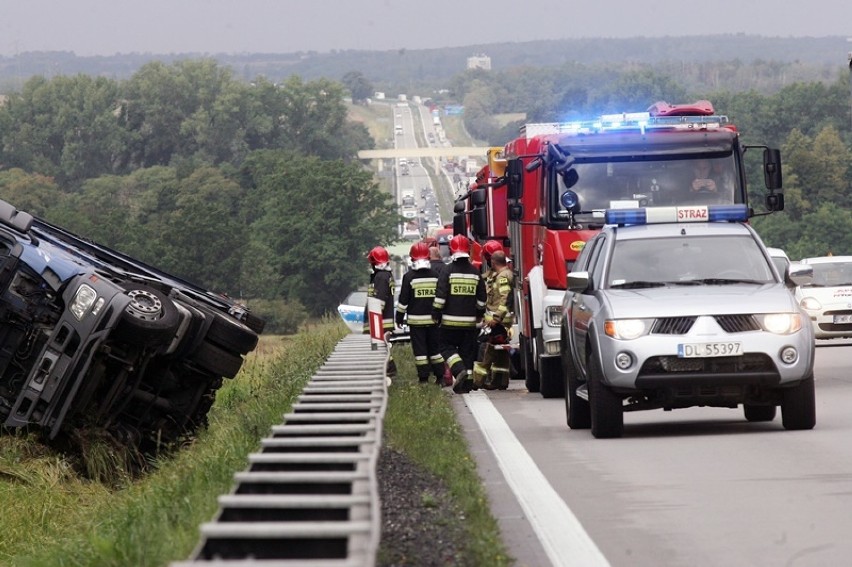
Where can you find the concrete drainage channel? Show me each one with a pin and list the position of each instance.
(310, 496)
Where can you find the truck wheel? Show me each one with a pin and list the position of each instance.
(531, 378)
(576, 408)
(551, 382)
(150, 317)
(759, 413)
(607, 413)
(216, 360)
(798, 405)
(231, 334)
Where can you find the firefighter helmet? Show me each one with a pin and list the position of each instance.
(491, 247)
(419, 251)
(460, 246)
(378, 256)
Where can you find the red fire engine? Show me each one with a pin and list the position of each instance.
(544, 194)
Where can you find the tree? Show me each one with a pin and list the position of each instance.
(65, 127)
(318, 218)
(30, 192)
(359, 87)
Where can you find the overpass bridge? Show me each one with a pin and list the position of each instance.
(433, 152)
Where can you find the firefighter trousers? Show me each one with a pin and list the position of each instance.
(427, 354)
(458, 347)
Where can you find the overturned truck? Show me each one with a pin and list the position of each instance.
(92, 337)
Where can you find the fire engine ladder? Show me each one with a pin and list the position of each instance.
(310, 496)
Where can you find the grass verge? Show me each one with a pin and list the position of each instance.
(421, 423)
(54, 517)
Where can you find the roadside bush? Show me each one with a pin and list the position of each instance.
(282, 317)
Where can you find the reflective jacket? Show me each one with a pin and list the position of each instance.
(459, 296)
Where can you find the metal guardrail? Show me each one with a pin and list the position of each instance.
(310, 495)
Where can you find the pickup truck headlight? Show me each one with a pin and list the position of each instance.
(627, 329)
(780, 323)
(83, 301)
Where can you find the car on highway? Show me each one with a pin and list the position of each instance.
(92, 337)
(827, 299)
(661, 314)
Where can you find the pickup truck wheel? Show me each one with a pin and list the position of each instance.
(759, 413)
(216, 360)
(607, 413)
(798, 405)
(577, 412)
(231, 334)
(150, 317)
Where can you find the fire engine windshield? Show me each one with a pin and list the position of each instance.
(644, 182)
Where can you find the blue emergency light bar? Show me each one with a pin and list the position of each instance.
(627, 121)
(681, 214)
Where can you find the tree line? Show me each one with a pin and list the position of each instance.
(809, 121)
(250, 189)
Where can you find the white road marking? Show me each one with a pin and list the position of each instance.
(560, 532)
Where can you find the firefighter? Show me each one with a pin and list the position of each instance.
(494, 369)
(458, 309)
(382, 288)
(416, 295)
(488, 249)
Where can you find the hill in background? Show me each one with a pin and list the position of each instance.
(401, 69)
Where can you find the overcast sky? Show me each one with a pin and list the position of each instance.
(108, 27)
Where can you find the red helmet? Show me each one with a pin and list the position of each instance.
(378, 255)
(459, 244)
(419, 251)
(491, 247)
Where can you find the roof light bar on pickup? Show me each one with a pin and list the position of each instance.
(660, 215)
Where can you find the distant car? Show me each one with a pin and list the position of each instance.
(827, 299)
(674, 315)
(93, 337)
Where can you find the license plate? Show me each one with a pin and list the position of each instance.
(704, 350)
(842, 319)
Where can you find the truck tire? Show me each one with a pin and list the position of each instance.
(216, 360)
(607, 413)
(551, 381)
(230, 334)
(531, 379)
(149, 318)
(798, 405)
(759, 413)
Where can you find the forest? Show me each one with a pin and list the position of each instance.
(252, 188)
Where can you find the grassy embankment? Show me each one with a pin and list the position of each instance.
(54, 516)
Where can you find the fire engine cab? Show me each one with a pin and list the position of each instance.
(544, 194)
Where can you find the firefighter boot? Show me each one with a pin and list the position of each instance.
(501, 370)
(463, 382)
(480, 375)
(438, 371)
